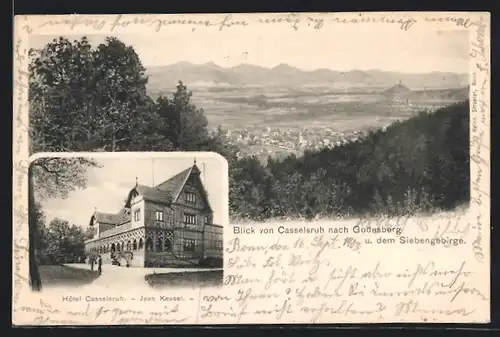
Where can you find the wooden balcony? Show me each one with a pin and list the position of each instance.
(160, 224)
(212, 228)
(181, 225)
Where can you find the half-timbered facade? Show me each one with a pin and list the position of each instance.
(168, 225)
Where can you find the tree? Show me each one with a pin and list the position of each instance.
(39, 218)
(56, 177)
(125, 110)
(89, 233)
(184, 125)
(53, 177)
(65, 243)
(248, 188)
(220, 143)
(61, 91)
(83, 99)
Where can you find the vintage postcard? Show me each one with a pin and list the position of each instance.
(266, 168)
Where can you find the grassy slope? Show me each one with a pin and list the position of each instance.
(186, 279)
(56, 275)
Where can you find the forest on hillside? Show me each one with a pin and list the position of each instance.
(418, 165)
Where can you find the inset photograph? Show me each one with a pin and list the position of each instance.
(128, 219)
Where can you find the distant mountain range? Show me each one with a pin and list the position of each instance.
(284, 75)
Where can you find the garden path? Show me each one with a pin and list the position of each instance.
(123, 279)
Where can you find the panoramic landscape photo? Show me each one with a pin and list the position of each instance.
(310, 131)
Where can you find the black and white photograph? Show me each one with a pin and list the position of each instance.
(285, 168)
(129, 221)
(369, 126)
(310, 131)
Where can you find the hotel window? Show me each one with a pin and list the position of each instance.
(189, 245)
(137, 215)
(149, 245)
(190, 198)
(158, 245)
(189, 219)
(218, 244)
(207, 220)
(167, 244)
(159, 215)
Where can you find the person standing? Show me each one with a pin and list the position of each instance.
(91, 263)
(99, 264)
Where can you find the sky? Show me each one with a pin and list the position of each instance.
(361, 47)
(108, 186)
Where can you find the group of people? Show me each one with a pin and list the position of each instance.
(97, 260)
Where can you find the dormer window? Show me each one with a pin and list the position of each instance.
(190, 198)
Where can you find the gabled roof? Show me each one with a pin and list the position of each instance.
(164, 193)
(174, 185)
(168, 191)
(109, 218)
(152, 194)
